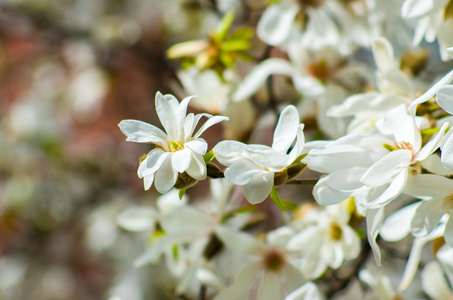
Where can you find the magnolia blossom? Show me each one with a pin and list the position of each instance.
(254, 166)
(178, 150)
(272, 272)
(326, 242)
(434, 21)
(328, 23)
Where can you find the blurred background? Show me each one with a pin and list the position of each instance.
(70, 71)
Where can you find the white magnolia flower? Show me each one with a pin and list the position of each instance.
(434, 21)
(271, 274)
(331, 241)
(254, 166)
(178, 150)
(328, 23)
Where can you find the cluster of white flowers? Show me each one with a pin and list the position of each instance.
(390, 146)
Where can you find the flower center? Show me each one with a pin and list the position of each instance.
(176, 146)
(335, 232)
(274, 260)
(320, 70)
(399, 146)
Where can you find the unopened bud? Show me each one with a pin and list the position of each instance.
(280, 177)
(184, 181)
(295, 169)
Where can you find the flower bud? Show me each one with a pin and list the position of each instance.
(280, 177)
(295, 169)
(184, 181)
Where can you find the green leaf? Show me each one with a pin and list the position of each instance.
(181, 193)
(244, 34)
(235, 45)
(208, 156)
(224, 26)
(289, 205)
(276, 198)
(299, 158)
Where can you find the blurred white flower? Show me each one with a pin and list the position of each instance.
(178, 150)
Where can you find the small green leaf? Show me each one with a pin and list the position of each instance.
(289, 205)
(235, 45)
(276, 198)
(299, 158)
(181, 193)
(429, 131)
(208, 156)
(224, 26)
(243, 34)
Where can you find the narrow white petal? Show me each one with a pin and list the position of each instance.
(259, 187)
(293, 277)
(397, 225)
(155, 160)
(211, 121)
(137, 218)
(181, 117)
(427, 186)
(141, 132)
(394, 189)
(309, 291)
(433, 144)
(431, 92)
(374, 218)
(286, 129)
(270, 288)
(241, 287)
(165, 176)
(187, 221)
(427, 217)
(446, 156)
(167, 114)
(448, 234)
(299, 145)
(384, 170)
(275, 25)
(415, 255)
(444, 98)
(383, 55)
(433, 164)
(181, 160)
(416, 8)
(257, 77)
(197, 168)
(148, 181)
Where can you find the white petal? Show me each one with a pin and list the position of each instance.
(308, 86)
(394, 189)
(433, 164)
(374, 218)
(434, 283)
(181, 117)
(199, 146)
(385, 169)
(448, 234)
(259, 187)
(167, 114)
(446, 156)
(165, 176)
(433, 144)
(427, 217)
(243, 281)
(383, 55)
(257, 77)
(239, 241)
(308, 291)
(210, 122)
(228, 152)
(137, 218)
(431, 92)
(209, 278)
(197, 168)
(155, 160)
(415, 255)
(444, 98)
(299, 145)
(286, 129)
(416, 8)
(181, 160)
(293, 277)
(397, 225)
(270, 288)
(187, 221)
(141, 132)
(427, 186)
(242, 172)
(148, 181)
(276, 22)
